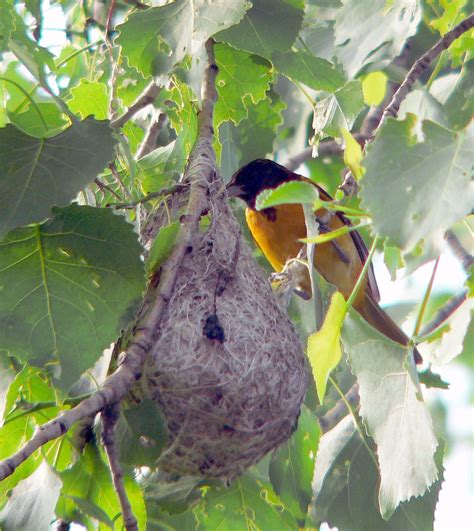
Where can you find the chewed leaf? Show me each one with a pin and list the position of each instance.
(394, 413)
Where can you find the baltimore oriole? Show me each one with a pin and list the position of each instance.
(277, 231)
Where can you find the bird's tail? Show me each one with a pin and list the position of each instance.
(379, 319)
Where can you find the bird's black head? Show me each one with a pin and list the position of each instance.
(257, 176)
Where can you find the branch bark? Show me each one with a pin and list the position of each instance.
(110, 416)
(199, 173)
(148, 96)
(421, 65)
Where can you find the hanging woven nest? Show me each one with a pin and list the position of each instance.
(227, 369)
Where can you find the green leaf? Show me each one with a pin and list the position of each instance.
(68, 286)
(174, 496)
(269, 26)
(369, 31)
(254, 136)
(412, 189)
(87, 487)
(356, 506)
(156, 39)
(314, 72)
(7, 24)
(243, 79)
(90, 98)
(162, 246)
(32, 502)
(393, 410)
(338, 111)
(247, 504)
(393, 259)
(141, 434)
(39, 173)
(352, 154)
(430, 379)
(292, 466)
(324, 347)
(287, 193)
(7, 374)
(32, 120)
(374, 86)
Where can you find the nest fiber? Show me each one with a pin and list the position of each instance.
(227, 369)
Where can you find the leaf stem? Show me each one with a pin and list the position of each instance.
(362, 275)
(355, 419)
(426, 297)
(27, 96)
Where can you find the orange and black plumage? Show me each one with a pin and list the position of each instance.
(277, 231)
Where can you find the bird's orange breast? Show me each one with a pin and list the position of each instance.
(277, 231)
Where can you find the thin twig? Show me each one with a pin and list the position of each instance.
(102, 186)
(116, 175)
(326, 148)
(176, 188)
(146, 97)
(349, 185)
(443, 313)
(149, 141)
(200, 172)
(110, 416)
(458, 250)
(421, 65)
(339, 411)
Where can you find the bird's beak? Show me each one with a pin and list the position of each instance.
(233, 190)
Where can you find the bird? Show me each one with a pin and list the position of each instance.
(278, 231)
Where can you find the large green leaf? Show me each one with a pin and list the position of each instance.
(372, 30)
(269, 26)
(37, 173)
(314, 72)
(415, 190)
(157, 39)
(355, 506)
(247, 504)
(292, 465)
(68, 286)
(243, 79)
(393, 411)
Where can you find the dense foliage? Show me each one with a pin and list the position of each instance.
(97, 118)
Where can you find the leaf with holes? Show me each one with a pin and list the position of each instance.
(157, 39)
(247, 504)
(68, 286)
(37, 173)
(243, 79)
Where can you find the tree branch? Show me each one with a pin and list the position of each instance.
(458, 250)
(149, 141)
(326, 148)
(443, 313)
(148, 96)
(199, 173)
(421, 65)
(110, 416)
